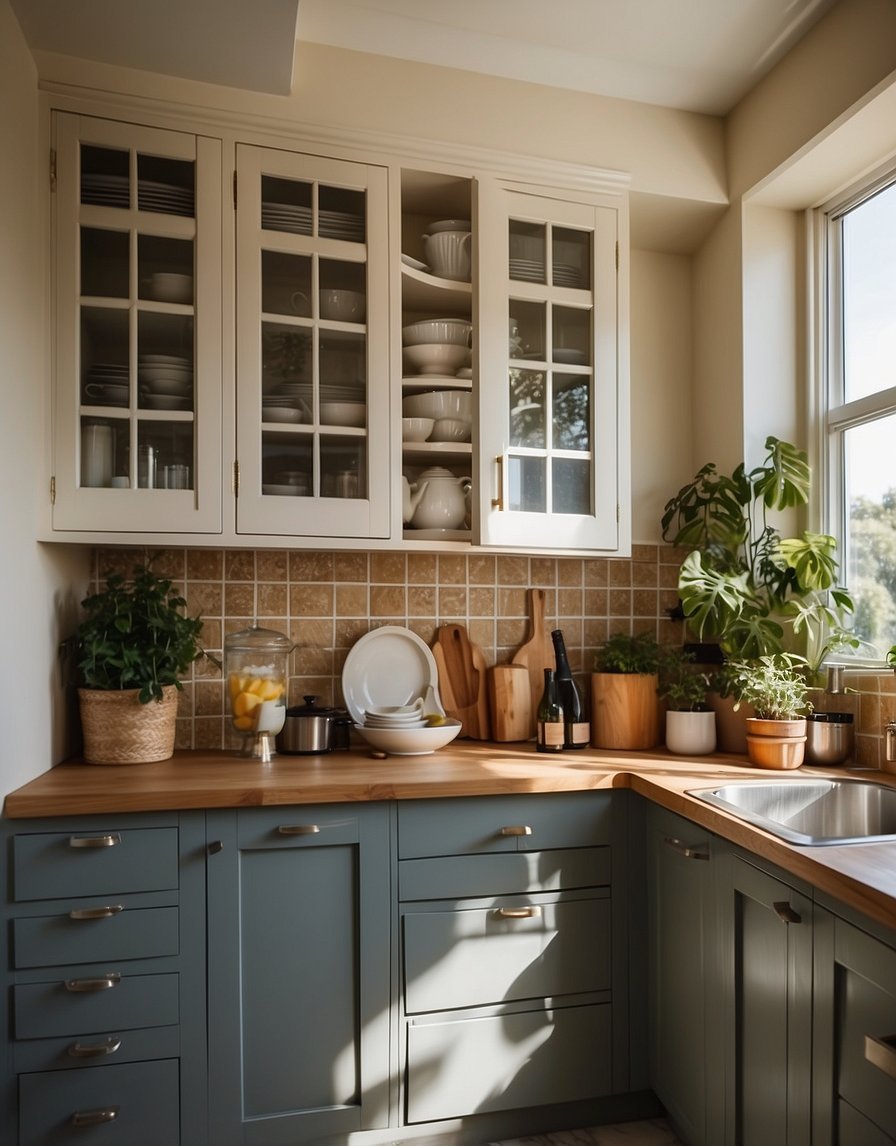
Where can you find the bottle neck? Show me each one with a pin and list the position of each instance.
(563, 672)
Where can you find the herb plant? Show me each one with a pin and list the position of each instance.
(774, 684)
(680, 684)
(624, 653)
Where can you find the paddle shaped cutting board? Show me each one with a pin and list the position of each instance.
(462, 680)
(536, 653)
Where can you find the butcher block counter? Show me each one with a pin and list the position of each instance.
(861, 875)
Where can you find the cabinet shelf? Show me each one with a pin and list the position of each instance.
(428, 452)
(422, 291)
(418, 383)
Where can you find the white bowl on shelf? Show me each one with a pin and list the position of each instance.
(342, 305)
(436, 357)
(343, 413)
(448, 331)
(439, 404)
(451, 430)
(411, 741)
(169, 287)
(416, 429)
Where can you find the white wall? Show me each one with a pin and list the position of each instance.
(39, 586)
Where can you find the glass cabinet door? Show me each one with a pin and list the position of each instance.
(312, 358)
(133, 313)
(549, 473)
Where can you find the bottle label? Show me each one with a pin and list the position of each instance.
(550, 734)
(578, 734)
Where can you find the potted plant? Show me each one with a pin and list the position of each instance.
(891, 658)
(776, 687)
(743, 584)
(624, 706)
(690, 722)
(130, 650)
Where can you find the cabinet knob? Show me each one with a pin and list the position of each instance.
(515, 830)
(94, 1117)
(105, 983)
(531, 912)
(113, 839)
(96, 912)
(94, 1050)
(785, 912)
(298, 829)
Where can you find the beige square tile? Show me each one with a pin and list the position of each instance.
(205, 564)
(351, 600)
(510, 633)
(313, 661)
(512, 570)
(312, 633)
(272, 565)
(570, 571)
(620, 603)
(205, 598)
(387, 569)
(482, 601)
(620, 573)
(171, 563)
(512, 602)
(595, 602)
(645, 575)
(481, 569)
(570, 603)
(239, 565)
(543, 572)
(239, 599)
(351, 566)
(347, 632)
(645, 603)
(596, 572)
(452, 569)
(311, 600)
(422, 568)
(208, 732)
(646, 553)
(388, 601)
(452, 602)
(422, 600)
(309, 565)
(272, 599)
(208, 698)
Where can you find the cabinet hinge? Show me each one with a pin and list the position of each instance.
(53, 490)
(235, 484)
(52, 168)
(234, 190)
(617, 254)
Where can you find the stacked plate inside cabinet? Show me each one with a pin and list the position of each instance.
(565, 274)
(165, 198)
(166, 381)
(528, 270)
(286, 217)
(340, 225)
(106, 384)
(104, 190)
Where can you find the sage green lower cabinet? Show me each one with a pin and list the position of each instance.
(298, 973)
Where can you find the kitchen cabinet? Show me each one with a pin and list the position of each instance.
(104, 981)
(313, 395)
(298, 973)
(510, 978)
(138, 370)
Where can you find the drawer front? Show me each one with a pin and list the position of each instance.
(292, 826)
(95, 1051)
(128, 933)
(500, 823)
(530, 1058)
(130, 1105)
(42, 1010)
(868, 1012)
(62, 865)
(518, 873)
(854, 1129)
(477, 957)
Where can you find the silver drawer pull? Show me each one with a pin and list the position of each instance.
(106, 983)
(94, 1050)
(684, 850)
(94, 1117)
(113, 839)
(785, 912)
(881, 1052)
(298, 829)
(515, 830)
(531, 912)
(96, 912)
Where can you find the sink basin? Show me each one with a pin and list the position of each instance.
(812, 811)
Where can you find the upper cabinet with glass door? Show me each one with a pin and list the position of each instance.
(138, 350)
(551, 394)
(312, 360)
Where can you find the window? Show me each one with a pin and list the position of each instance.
(857, 237)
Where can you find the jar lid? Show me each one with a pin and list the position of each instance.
(256, 637)
(831, 717)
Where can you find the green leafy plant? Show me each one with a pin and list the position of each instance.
(891, 657)
(682, 686)
(775, 684)
(135, 635)
(624, 653)
(742, 583)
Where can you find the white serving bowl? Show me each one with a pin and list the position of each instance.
(436, 357)
(166, 287)
(411, 741)
(173, 385)
(343, 413)
(416, 429)
(439, 404)
(342, 305)
(450, 331)
(451, 430)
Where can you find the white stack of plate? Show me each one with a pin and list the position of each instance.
(340, 225)
(396, 716)
(286, 217)
(166, 198)
(104, 190)
(106, 384)
(565, 274)
(527, 270)
(166, 381)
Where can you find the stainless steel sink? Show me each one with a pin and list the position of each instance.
(812, 811)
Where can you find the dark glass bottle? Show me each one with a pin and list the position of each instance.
(576, 729)
(549, 726)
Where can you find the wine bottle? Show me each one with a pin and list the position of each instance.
(576, 729)
(549, 727)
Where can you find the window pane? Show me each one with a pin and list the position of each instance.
(871, 528)
(869, 295)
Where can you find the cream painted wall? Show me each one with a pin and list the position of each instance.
(38, 585)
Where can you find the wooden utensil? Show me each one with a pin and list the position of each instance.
(462, 680)
(509, 702)
(535, 654)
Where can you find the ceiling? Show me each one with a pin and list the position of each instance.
(695, 55)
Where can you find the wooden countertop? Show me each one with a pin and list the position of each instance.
(861, 875)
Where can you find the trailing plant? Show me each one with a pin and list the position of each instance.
(680, 684)
(742, 583)
(135, 635)
(774, 684)
(624, 653)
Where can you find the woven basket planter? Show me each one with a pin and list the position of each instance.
(118, 729)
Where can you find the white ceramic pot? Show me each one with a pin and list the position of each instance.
(449, 254)
(443, 504)
(691, 733)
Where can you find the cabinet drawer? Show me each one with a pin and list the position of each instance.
(108, 1048)
(129, 933)
(853, 1129)
(475, 957)
(292, 826)
(60, 865)
(131, 1105)
(519, 873)
(868, 1011)
(498, 824)
(42, 1010)
(529, 1058)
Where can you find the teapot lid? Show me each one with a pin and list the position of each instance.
(436, 472)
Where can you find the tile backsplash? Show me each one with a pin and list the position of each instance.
(324, 601)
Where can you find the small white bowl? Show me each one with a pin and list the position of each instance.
(167, 287)
(450, 331)
(343, 413)
(342, 305)
(436, 357)
(451, 430)
(411, 741)
(416, 429)
(439, 404)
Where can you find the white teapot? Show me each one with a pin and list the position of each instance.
(442, 504)
(410, 498)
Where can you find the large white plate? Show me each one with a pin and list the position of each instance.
(389, 665)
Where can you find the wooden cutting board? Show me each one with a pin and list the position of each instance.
(462, 680)
(536, 653)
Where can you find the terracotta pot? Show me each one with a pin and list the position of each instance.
(624, 710)
(118, 729)
(779, 744)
